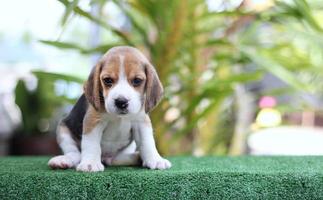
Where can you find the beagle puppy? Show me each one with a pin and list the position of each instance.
(109, 124)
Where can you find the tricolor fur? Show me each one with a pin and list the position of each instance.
(110, 124)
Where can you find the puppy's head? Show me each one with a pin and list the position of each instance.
(123, 83)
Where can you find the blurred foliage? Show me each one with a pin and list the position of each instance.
(202, 54)
(37, 105)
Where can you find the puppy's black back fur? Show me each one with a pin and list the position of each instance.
(74, 120)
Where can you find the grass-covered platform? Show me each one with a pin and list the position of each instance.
(189, 178)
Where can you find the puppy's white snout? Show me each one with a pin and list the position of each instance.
(121, 103)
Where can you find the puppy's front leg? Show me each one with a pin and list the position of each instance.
(91, 150)
(143, 134)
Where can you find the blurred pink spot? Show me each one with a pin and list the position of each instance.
(267, 102)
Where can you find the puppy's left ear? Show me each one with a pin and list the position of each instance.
(154, 88)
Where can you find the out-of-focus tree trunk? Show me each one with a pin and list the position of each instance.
(244, 118)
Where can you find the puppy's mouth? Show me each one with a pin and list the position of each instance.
(117, 111)
(122, 112)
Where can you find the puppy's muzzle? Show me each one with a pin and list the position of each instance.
(121, 103)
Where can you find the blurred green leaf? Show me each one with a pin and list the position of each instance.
(232, 79)
(66, 45)
(305, 11)
(139, 27)
(274, 68)
(28, 103)
(63, 45)
(98, 21)
(57, 76)
(68, 10)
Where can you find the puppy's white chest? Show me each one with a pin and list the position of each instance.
(116, 136)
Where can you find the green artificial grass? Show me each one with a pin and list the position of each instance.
(190, 178)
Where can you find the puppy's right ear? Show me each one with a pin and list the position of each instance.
(93, 88)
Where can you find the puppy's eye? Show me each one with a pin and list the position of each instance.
(108, 82)
(136, 82)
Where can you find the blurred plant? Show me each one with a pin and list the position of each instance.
(37, 105)
(206, 57)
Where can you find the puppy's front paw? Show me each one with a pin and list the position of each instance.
(61, 162)
(156, 163)
(88, 166)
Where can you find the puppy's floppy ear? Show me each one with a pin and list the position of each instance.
(93, 88)
(154, 88)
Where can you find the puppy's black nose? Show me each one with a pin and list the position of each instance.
(121, 102)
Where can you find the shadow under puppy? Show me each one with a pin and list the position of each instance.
(109, 123)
